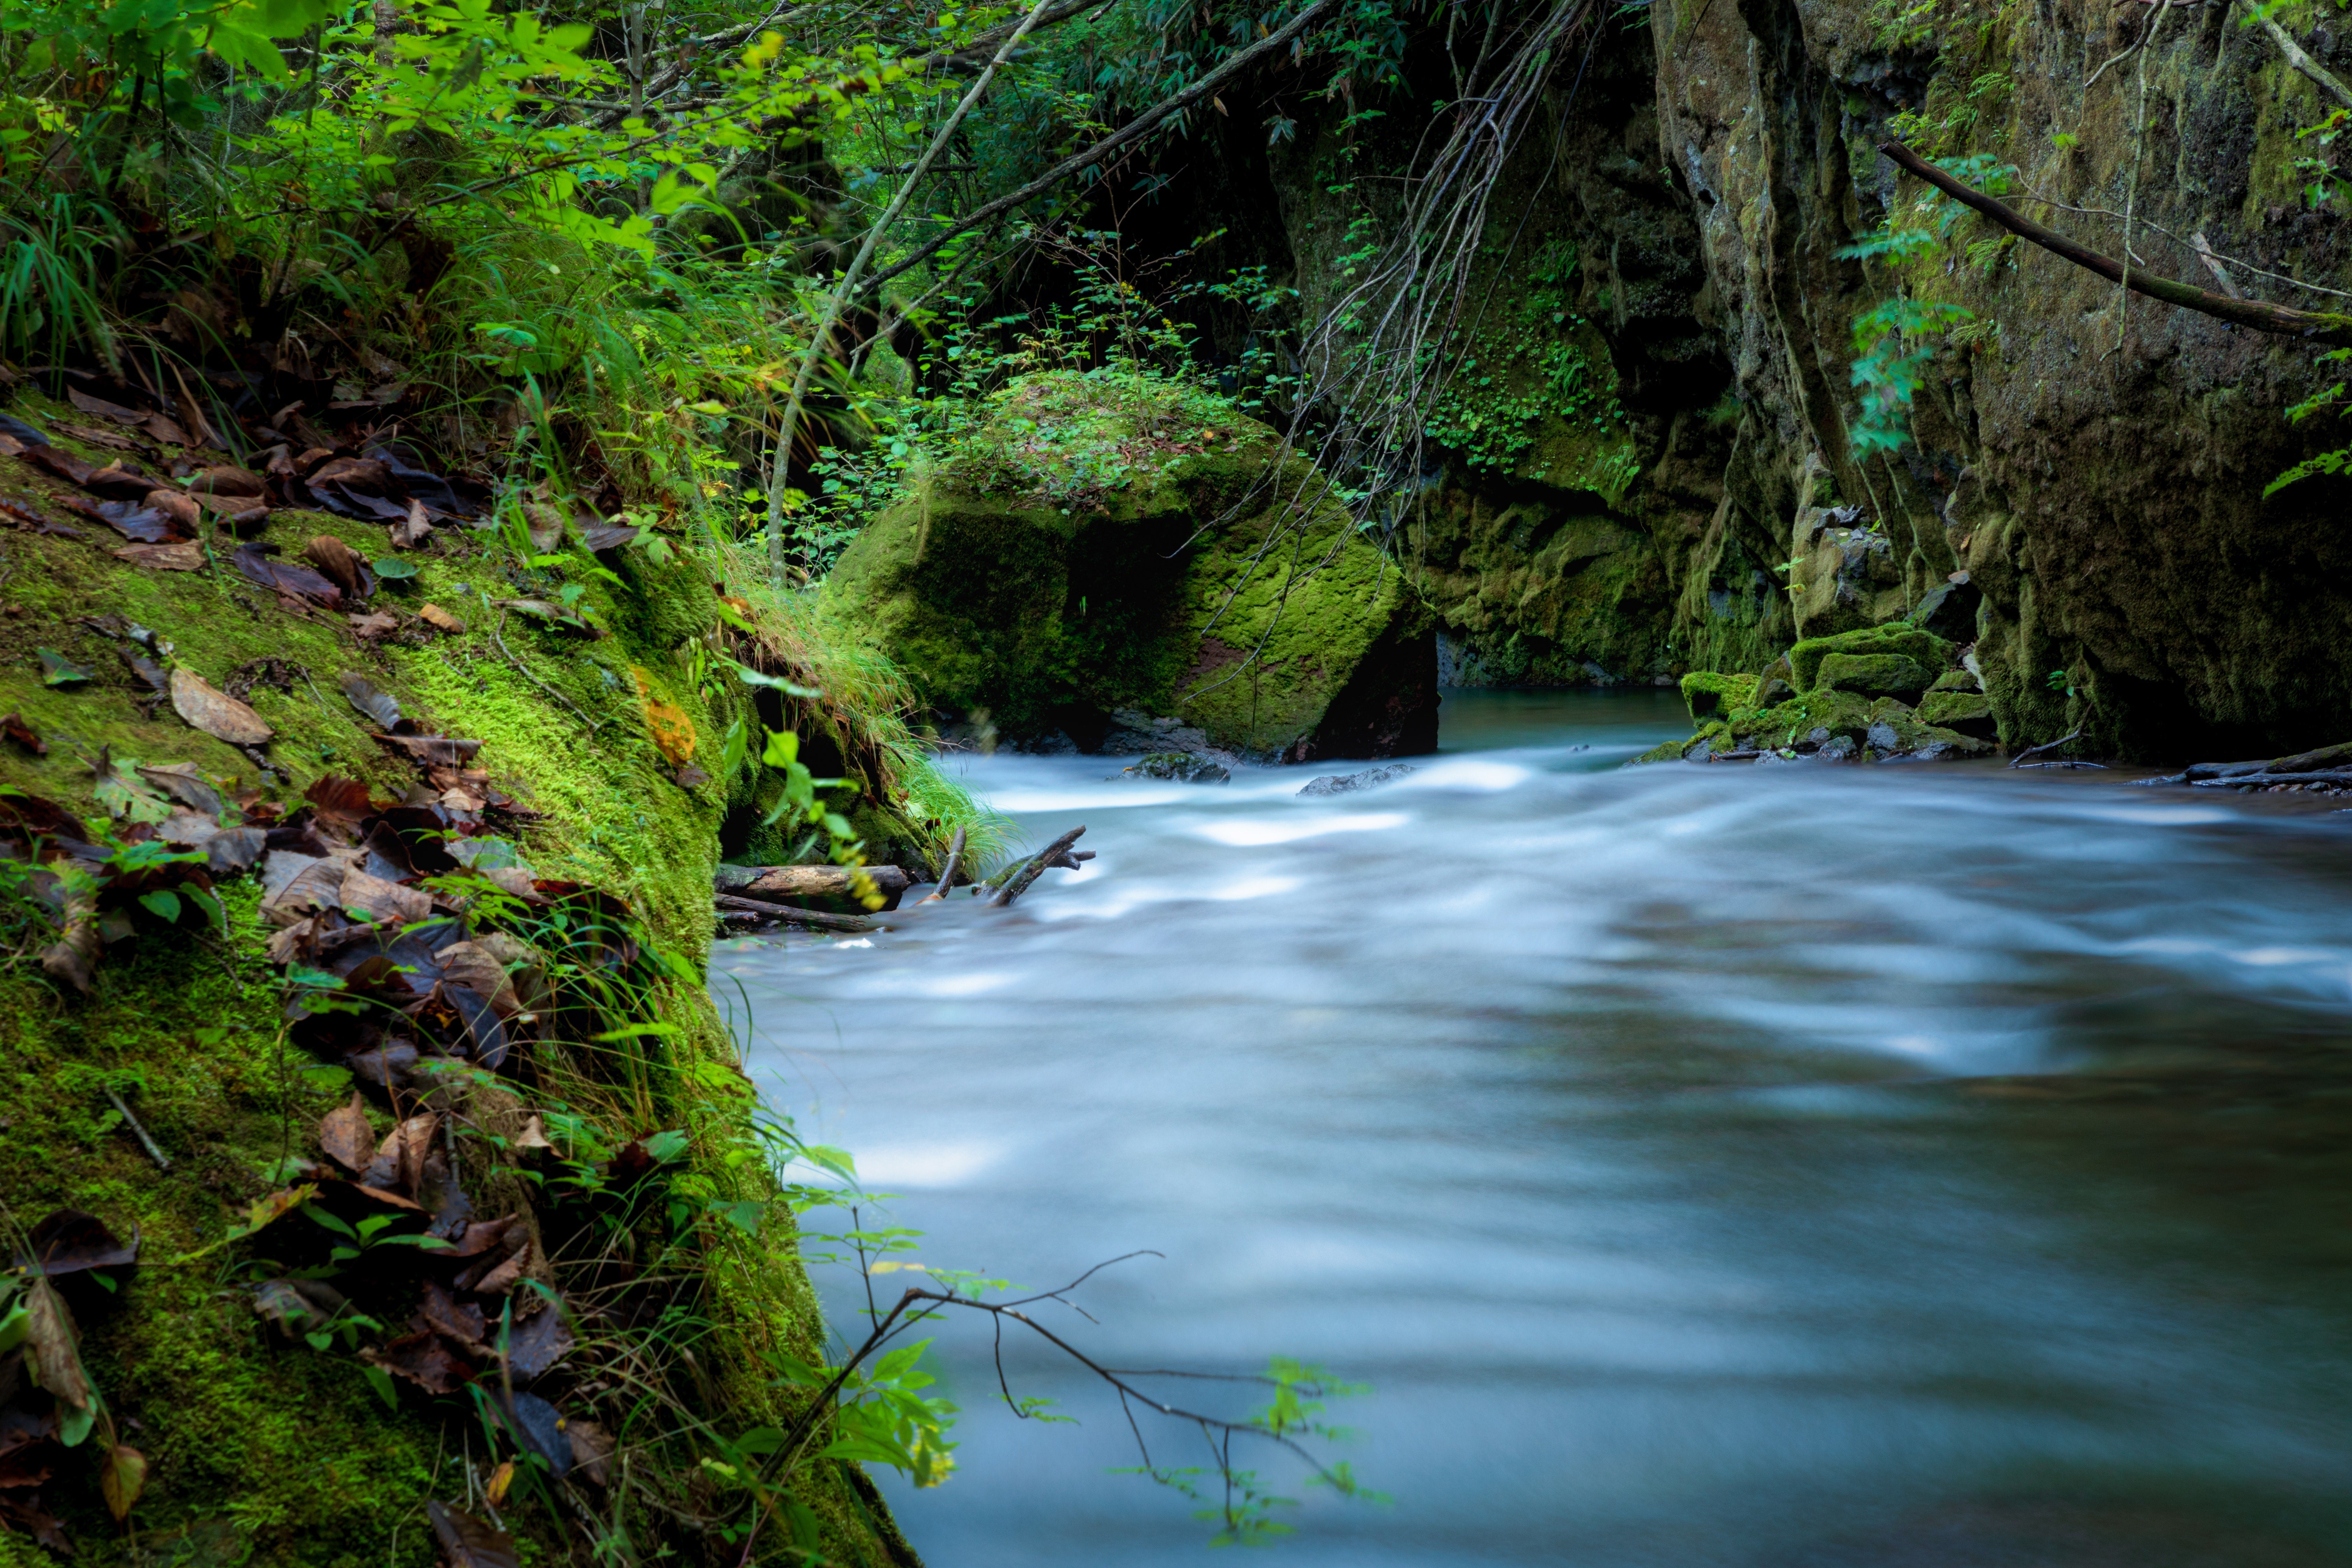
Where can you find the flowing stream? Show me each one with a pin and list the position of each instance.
(1857, 1166)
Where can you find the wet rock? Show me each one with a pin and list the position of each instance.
(1882, 738)
(1949, 609)
(1924, 648)
(1969, 712)
(1180, 767)
(1874, 674)
(1836, 749)
(1347, 784)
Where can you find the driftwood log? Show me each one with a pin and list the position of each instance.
(1018, 882)
(808, 883)
(732, 905)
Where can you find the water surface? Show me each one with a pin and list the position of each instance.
(1892, 1166)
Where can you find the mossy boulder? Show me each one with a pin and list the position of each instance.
(1968, 712)
(1100, 543)
(1924, 648)
(1872, 674)
(1710, 695)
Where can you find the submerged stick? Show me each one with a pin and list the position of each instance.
(791, 914)
(948, 876)
(2046, 746)
(2283, 320)
(1030, 871)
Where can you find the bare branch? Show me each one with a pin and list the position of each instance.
(2320, 326)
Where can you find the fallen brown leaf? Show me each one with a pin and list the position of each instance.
(591, 1449)
(374, 626)
(439, 750)
(50, 1354)
(105, 410)
(412, 529)
(538, 1343)
(180, 555)
(14, 727)
(425, 1359)
(213, 712)
(347, 1138)
(298, 1306)
(442, 1312)
(335, 558)
(255, 561)
(185, 782)
(468, 1542)
(440, 619)
(70, 1241)
(383, 901)
(58, 462)
(140, 523)
(227, 479)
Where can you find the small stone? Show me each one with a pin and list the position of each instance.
(1180, 767)
(1836, 749)
(1883, 738)
(1344, 783)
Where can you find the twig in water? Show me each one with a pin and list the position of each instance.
(161, 1162)
(948, 876)
(2046, 746)
(1018, 884)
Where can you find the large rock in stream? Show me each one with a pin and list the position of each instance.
(1102, 547)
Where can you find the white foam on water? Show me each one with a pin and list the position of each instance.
(1252, 833)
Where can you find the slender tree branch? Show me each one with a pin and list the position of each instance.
(2302, 61)
(823, 333)
(2320, 326)
(1110, 143)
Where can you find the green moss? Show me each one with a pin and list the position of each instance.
(1911, 642)
(1972, 711)
(1707, 694)
(1118, 566)
(1872, 674)
(290, 1446)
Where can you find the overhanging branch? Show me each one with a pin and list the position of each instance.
(2318, 326)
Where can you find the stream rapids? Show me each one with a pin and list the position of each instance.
(1867, 1165)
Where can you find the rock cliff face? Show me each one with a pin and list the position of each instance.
(2094, 465)
(1663, 464)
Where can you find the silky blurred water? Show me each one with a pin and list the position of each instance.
(1868, 1165)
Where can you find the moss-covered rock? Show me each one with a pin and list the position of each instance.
(1099, 544)
(1926, 648)
(1968, 712)
(1708, 694)
(1872, 674)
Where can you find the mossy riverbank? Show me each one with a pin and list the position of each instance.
(616, 733)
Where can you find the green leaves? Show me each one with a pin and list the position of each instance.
(57, 669)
